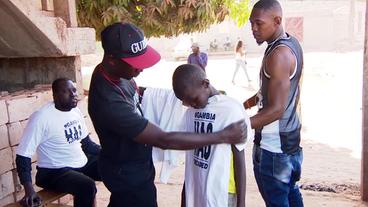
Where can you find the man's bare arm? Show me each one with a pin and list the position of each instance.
(280, 64)
(240, 176)
(153, 135)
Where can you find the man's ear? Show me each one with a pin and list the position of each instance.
(206, 83)
(55, 98)
(278, 20)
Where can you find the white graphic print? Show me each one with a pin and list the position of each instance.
(73, 131)
(203, 123)
(138, 46)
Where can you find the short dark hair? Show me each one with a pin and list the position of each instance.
(185, 77)
(56, 84)
(267, 4)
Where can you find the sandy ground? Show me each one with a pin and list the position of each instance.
(331, 115)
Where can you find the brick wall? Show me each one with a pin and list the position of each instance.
(15, 109)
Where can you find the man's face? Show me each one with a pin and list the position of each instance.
(66, 96)
(196, 97)
(125, 70)
(132, 72)
(263, 25)
(195, 49)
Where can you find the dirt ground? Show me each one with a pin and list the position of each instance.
(331, 116)
(321, 176)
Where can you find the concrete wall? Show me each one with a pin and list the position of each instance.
(326, 26)
(28, 31)
(15, 109)
(22, 73)
(39, 42)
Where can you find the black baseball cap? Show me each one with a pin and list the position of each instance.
(126, 42)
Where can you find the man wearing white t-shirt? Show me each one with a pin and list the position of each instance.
(207, 169)
(66, 156)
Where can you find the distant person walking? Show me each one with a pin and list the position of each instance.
(197, 57)
(240, 60)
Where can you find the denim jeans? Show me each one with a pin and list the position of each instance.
(276, 175)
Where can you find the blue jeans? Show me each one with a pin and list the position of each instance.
(276, 175)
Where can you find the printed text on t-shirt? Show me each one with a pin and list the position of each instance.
(73, 131)
(203, 123)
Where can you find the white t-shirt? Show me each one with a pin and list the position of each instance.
(56, 136)
(207, 169)
(240, 55)
(162, 108)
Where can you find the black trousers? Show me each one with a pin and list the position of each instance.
(80, 182)
(130, 185)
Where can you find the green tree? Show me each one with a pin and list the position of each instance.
(162, 17)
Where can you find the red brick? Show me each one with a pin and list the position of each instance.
(15, 130)
(4, 139)
(4, 118)
(7, 184)
(8, 199)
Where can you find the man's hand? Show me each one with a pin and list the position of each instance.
(235, 132)
(30, 199)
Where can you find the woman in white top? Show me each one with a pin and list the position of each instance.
(240, 60)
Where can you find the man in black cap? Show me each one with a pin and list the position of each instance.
(126, 137)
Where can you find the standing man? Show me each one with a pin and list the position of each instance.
(126, 137)
(197, 57)
(277, 155)
(66, 156)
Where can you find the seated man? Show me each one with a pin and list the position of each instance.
(67, 158)
(227, 44)
(207, 169)
(213, 45)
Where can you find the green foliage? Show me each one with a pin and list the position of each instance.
(239, 11)
(161, 17)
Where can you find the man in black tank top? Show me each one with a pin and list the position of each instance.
(277, 155)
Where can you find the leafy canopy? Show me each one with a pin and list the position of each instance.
(162, 17)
